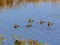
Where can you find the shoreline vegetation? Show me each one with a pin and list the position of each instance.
(10, 3)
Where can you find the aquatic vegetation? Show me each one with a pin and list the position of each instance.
(21, 42)
(28, 25)
(17, 42)
(50, 24)
(42, 22)
(30, 42)
(16, 26)
(2, 39)
(46, 44)
(39, 44)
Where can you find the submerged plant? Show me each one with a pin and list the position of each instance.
(21, 42)
(2, 39)
(28, 42)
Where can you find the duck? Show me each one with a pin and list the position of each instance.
(16, 26)
(42, 22)
(50, 24)
(30, 20)
(28, 25)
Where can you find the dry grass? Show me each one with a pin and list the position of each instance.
(9, 3)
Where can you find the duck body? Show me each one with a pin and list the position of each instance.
(42, 22)
(16, 26)
(30, 20)
(28, 25)
(50, 24)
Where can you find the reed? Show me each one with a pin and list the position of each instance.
(10, 3)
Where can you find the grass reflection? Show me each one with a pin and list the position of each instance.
(10, 3)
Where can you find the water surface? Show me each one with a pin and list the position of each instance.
(46, 10)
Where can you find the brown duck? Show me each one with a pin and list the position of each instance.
(30, 20)
(50, 24)
(42, 22)
(16, 26)
(28, 25)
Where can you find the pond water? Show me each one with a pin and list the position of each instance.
(48, 11)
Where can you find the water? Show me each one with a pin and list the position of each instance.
(48, 11)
